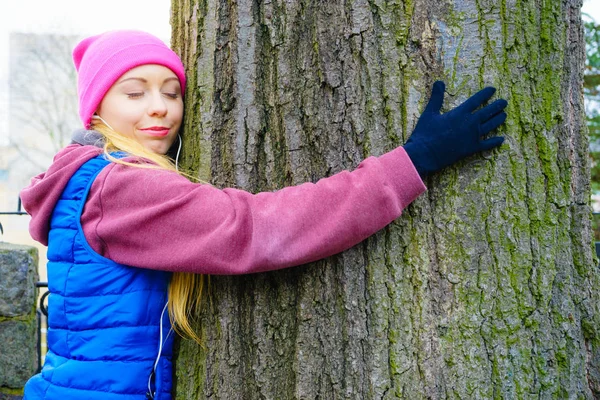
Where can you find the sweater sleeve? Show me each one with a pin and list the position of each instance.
(159, 220)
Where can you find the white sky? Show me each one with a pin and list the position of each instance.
(80, 17)
(77, 16)
(592, 7)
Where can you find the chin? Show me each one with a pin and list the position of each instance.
(157, 149)
(158, 146)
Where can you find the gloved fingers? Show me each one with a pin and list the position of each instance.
(490, 111)
(492, 124)
(476, 100)
(437, 98)
(490, 143)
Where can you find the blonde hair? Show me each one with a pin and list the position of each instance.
(185, 289)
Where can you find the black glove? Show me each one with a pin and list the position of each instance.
(440, 140)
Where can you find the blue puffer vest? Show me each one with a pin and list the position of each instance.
(104, 317)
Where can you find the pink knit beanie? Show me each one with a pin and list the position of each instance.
(101, 60)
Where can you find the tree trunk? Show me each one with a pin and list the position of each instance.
(487, 286)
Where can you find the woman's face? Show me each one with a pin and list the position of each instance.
(145, 104)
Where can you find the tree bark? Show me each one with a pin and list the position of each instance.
(487, 286)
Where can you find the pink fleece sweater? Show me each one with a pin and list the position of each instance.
(159, 220)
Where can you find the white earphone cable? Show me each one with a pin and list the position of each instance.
(100, 118)
(160, 347)
(178, 152)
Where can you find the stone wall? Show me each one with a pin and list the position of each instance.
(18, 325)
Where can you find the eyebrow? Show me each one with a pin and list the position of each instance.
(173, 78)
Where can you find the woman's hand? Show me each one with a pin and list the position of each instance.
(440, 140)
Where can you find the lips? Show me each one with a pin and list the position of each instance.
(156, 131)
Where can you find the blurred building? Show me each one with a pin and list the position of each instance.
(42, 113)
(42, 101)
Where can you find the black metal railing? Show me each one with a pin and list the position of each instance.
(42, 316)
(18, 212)
(42, 311)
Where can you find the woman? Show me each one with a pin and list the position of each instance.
(126, 232)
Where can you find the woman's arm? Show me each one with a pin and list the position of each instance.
(159, 220)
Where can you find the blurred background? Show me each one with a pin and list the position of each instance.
(591, 90)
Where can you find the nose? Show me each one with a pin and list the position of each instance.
(157, 105)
